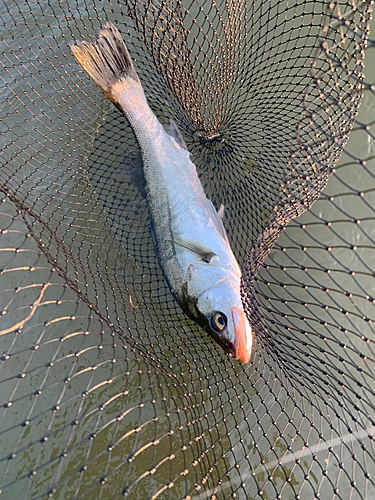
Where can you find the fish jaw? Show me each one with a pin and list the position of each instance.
(243, 335)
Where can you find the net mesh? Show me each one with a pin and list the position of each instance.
(107, 389)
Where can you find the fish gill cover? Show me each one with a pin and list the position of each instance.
(107, 389)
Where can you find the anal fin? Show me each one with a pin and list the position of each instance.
(221, 211)
(175, 133)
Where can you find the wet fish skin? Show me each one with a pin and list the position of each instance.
(191, 242)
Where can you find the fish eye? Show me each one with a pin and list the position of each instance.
(218, 322)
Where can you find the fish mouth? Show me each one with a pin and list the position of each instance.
(241, 346)
(243, 337)
(223, 342)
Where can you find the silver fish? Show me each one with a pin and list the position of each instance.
(189, 235)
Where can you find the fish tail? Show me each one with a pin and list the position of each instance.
(106, 62)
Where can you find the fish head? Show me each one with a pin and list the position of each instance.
(226, 321)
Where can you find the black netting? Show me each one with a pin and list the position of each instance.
(107, 389)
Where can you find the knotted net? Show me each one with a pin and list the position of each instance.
(107, 389)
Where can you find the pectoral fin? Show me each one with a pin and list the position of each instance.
(196, 248)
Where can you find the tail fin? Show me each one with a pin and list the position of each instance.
(107, 61)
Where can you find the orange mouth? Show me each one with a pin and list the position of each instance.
(243, 337)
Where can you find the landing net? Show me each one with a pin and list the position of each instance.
(107, 389)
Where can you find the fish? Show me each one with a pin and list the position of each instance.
(189, 236)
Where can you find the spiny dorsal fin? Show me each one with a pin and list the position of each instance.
(196, 248)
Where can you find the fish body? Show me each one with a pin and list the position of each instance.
(189, 235)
